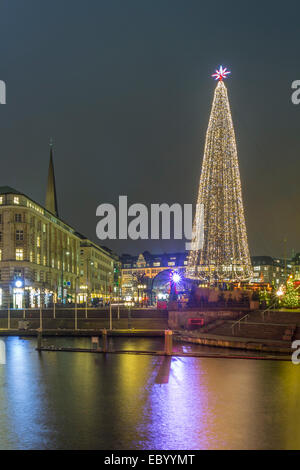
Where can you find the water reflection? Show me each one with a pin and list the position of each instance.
(89, 401)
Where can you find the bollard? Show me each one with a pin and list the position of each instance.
(39, 340)
(168, 342)
(104, 340)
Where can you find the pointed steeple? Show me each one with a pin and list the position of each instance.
(51, 201)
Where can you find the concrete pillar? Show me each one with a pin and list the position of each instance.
(95, 342)
(168, 342)
(104, 340)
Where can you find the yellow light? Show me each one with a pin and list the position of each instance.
(280, 292)
(225, 252)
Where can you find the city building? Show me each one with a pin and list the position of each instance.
(43, 259)
(295, 266)
(139, 273)
(272, 270)
(99, 273)
(39, 253)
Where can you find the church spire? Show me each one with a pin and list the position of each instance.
(51, 201)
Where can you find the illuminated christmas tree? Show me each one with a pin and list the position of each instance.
(219, 243)
(291, 297)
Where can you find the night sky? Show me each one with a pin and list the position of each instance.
(124, 89)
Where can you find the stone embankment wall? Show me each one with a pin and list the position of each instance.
(179, 319)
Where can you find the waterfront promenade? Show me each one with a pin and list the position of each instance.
(270, 332)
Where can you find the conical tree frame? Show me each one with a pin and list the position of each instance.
(224, 254)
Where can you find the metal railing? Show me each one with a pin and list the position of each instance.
(238, 322)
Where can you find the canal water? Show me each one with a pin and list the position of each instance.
(62, 400)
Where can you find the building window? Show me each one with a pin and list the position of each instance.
(44, 261)
(44, 228)
(38, 258)
(156, 264)
(0, 218)
(38, 241)
(18, 217)
(1, 199)
(171, 263)
(16, 200)
(19, 254)
(0, 255)
(19, 235)
(0, 236)
(31, 257)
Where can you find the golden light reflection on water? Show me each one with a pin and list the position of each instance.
(80, 400)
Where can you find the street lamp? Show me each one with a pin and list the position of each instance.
(64, 252)
(141, 287)
(129, 305)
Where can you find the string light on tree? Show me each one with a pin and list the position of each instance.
(224, 254)
(291, 297)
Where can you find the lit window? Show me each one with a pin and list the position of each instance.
(19, 254)
(58, 264)
(38, 258)
(31, 257)
(0, 255)
(16, 200)
(44, 261)
(0, 296)
(171, 263)
(156, 264)
(38, 241)
(44, 228)
(1, 199)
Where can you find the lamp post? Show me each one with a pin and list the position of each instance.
(88, 283)
(141, 287)
(62, 273)
(76, 319)
(129, 305)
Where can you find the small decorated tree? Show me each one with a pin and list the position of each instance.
(264, 298)
(291, 297)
